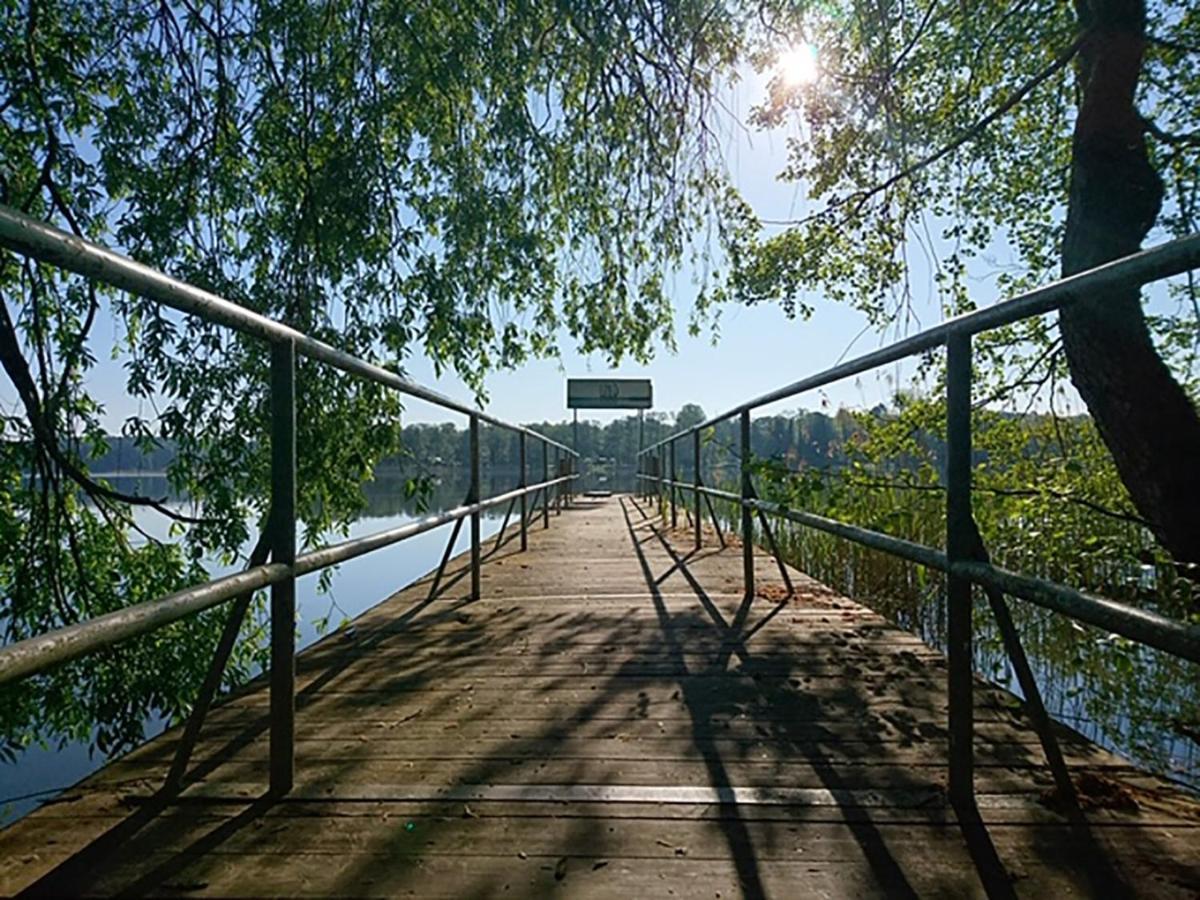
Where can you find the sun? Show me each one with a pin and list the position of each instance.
(798, 65)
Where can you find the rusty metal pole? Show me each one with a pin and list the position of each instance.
(660, 471)
(655, 486)
(642, 452)
(658, 480)
(475, 516)
(674, 492)
(696, 484)
(524, 483)
(545, 490)
(571, 460)
(747, 514)
(959, 540)
(283, 550)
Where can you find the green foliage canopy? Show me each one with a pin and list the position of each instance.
(472, 180)
(939, 136)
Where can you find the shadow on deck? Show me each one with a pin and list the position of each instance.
(612, 717)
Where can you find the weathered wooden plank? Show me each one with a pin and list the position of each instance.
(663, 748)
(330, 772)
(873, 866)
(572, 723)
(480, 843)
(993, 738)
(102, 809)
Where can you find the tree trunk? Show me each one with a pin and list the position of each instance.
(1144, 416)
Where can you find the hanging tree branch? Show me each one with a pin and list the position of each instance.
(17, 369)
(859, 198)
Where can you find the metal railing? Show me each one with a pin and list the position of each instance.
(965, 560)
(38, 240)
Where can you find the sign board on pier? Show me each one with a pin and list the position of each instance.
(609, 393)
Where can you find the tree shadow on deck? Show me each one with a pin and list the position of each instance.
(180, 847)
(154, 820)
(734, 636)
(1074, 849)
(434, 698)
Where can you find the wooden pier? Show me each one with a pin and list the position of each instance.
(612, 718)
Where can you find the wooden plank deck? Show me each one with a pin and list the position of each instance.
(593, 727)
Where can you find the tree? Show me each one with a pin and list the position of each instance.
(689, 415)
(476, 179)
(468, 179)
(1144, 415)
(1071, 133)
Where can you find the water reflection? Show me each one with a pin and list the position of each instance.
(447, 487)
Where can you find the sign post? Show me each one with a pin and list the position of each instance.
(608, 393)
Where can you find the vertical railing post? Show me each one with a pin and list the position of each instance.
(660, 470)
(650, 473)
(696, 485)
(475, 516)
(545, 478)
(747, 517)
(283, 550)
(674, 493)
(523, 484)
(959, 531)
(558, 488)
(642, 452)
(655, 485)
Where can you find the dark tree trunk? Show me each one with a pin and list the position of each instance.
(1146, 419)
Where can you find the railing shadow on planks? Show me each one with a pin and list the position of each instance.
(965, 561)
(38, 240)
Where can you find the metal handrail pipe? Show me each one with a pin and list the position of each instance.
(1140, 625)
(40, 240)
(334, 554)
(1145, 627)
(1172, 258)
(876, 540)
(37, 654)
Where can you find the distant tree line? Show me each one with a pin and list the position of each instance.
(798, 439)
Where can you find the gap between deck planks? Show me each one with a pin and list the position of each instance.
(591, 727)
